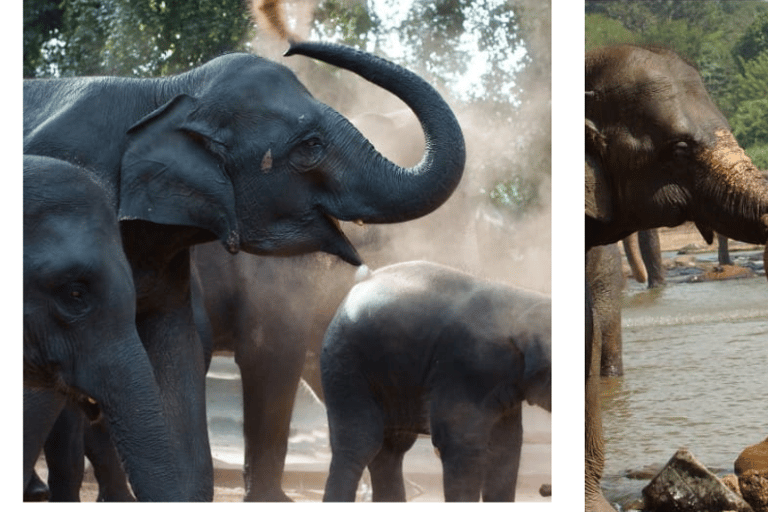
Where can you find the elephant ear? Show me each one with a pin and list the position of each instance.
(597, 192)
(169, 175)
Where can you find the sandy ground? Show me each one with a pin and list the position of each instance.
(309, 455)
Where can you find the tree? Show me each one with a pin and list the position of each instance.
(140, 38)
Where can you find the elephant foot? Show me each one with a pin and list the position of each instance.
(267, 495)
(36, 490)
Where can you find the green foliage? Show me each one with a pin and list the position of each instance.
(753, 42)
(41, 19)
(517, 194)
(140, 38)
(752, 83)
(600, 30)
(725, 40)
(749, 122)
(351, 23)
(759, 156)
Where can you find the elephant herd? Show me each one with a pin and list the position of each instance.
(127, 180)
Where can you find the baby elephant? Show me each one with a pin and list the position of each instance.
(80, 337)
(422, 348)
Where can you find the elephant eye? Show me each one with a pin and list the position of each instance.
(681, 149)
(307, 154)
(73, 298)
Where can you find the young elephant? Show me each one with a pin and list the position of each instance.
(422, 348)
(80, 337)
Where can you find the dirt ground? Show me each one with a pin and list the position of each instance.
(309, 454)
(304, 480)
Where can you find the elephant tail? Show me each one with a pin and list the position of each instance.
(363, 273)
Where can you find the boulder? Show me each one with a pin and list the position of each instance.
(685, 485)
(752, 469)
(753, 457)
(731, 481)
(754, 489)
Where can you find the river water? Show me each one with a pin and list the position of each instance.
(695, 376)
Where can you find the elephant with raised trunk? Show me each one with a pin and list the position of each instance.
(80, 338)
(236, 150)
(421, 348)
(658, 153)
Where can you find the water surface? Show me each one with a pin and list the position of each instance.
(696, 376)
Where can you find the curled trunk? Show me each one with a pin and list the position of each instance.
(385, 192)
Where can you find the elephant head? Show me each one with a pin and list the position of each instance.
(660, 153)
(80, 338)
(243, 150)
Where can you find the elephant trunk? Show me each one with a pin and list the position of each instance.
(386, 192)
(123, 384)
(732, 181)
(636, 265)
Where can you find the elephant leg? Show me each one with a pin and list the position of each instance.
(176, 354)
(64, 454)
(460, 432)
(504, 457)
(594, 449)
(270, 377)
(42, 408)
(113, 484)
(723, 255)
(356, 429)
(36, 489)
(650, 249)
(386, 468)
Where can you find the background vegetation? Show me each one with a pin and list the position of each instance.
(726, 40)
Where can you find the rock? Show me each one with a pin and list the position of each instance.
(686, 485)
(731, 481)
(752, 469)
(545, 490)
(723, 272)
(754, 489)
(753, 457)
(644, 473)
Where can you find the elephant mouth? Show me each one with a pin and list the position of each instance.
(338, 244)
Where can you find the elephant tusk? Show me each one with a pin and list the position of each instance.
(266, 162)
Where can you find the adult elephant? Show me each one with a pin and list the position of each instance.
(80, 338)
(658, 153)
(236, 150)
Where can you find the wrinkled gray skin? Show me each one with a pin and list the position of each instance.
(80, 338)
(235, 150)
(658, 153)
(605, 277)
(423, 348)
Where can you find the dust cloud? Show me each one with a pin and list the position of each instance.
(468, 232)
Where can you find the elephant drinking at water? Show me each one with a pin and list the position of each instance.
(658, 153)
(238, 151)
